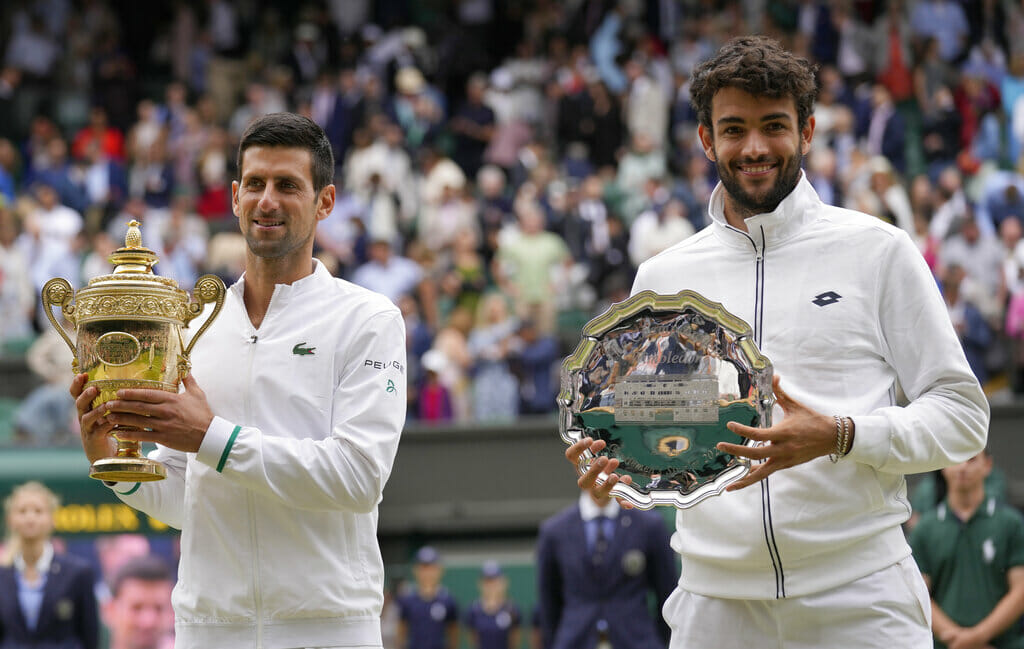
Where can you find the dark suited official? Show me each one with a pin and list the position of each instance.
(597, 564)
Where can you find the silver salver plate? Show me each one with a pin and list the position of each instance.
(657, 377)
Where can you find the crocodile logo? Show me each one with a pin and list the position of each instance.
(299, 350)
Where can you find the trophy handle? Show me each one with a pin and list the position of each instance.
(208, 289)
(58, 292)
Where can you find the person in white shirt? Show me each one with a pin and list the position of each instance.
(807, 548)
(279, 460)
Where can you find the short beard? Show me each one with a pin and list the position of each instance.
(751, 205)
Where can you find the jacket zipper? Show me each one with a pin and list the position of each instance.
(250, 505)
(766, 496)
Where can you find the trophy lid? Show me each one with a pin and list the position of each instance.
(133, 266)
(133, 257)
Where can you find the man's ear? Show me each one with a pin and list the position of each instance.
(234, 198)
(707, 142)
(325, 202)
(806, 134)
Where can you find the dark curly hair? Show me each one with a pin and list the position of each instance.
(757, 65)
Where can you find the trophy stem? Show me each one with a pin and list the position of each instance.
(127, 465)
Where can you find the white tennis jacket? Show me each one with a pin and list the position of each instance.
(278, 508)
(845, 308)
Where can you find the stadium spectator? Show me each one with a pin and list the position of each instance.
(473, 127)
(525, 262)
(535, 361)
(112, 552)
(971, 552)
(98, 130)
(49, 239)
(495, 387)
(138, 614)
(17, 295)
(892, 54)
(887, 129)
(44, 418)
(387, 273)
(433, 398)
(943, 20)
(980, 256)
(972, 329)
(656, 229)
(940, 131)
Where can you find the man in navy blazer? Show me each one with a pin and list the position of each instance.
(68, 617)
(597, 563)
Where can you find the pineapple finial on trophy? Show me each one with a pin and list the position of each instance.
(134, 257)
(133, 238)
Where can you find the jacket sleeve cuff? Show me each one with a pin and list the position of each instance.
(216, 446)
(123, 488)
(871, 442)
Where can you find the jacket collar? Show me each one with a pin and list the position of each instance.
(769, 228)
(589, 510)
(986, 509)
(285, 292)
(42, 564)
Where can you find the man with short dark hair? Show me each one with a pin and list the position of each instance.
(276, 465)
(138, 613)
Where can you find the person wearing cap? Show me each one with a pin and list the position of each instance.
(387, 273)
(597, 567)
(428, 613)
(493, 620)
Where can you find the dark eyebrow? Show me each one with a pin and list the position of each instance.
(281, 178)
(771, 117)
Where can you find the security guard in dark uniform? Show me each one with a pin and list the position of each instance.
(596, 565)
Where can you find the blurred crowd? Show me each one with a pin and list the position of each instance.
(502, 167)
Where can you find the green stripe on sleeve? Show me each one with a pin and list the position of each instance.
(227, 449)
(132, 490)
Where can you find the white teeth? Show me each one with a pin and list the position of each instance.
(756, 170)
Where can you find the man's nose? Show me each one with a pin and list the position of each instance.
(268, 199)
(756, 144)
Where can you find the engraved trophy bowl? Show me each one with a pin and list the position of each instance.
(128, 335)
(658, 377)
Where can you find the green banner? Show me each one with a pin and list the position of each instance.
(88, 507)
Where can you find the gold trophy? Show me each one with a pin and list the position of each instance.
(128, 328)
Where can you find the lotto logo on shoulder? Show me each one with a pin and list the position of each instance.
(384, 365)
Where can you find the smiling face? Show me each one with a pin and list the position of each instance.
(277, 206)
(757, 146)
